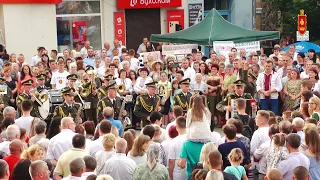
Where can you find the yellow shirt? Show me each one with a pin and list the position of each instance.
(163, 88)
(63, 165)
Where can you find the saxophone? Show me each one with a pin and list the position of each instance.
(124, 120)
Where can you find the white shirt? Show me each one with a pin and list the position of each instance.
(216, 138)
(4, 147)
(24, 122)
(120, 167)
(294, 160)
(138, 159)
(95, 147)
(85, 175)
(102, 156)
(174, 152)
(138, 87)
(134, 61)
(198, 129)
(35, 60)
(101, 71)
(127, 82)
(261, 153)
(189, 73)
(304, 75)
(260, 136)
(166, 146)
(60, 79)
(280, 72)
(302, 136)
(60, 143)
(71, 178)
(275, 84)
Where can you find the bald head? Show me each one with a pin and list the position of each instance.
(108, 112)
(16, 147)
(66, 121)
(121, 145)
(274, 174)
(39, 170)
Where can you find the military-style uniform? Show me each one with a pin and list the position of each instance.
(250, 87)
(41, 88)
(102, 91)
(221, 106)
(91, 113)
(24, 96)
(74, 77)
(65, 110)
(183, 99)
(145, 104)
(4, 98)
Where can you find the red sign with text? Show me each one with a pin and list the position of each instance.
(140, 4)
(30, 1)
(119, 27)
(79, 32)
(174, 18)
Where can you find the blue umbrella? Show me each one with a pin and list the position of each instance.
(303, 47)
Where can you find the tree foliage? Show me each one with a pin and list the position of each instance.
(283, 14)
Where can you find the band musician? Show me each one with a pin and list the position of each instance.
(111, 100)
(25, 95)
(4, 96)
(69, 108)
(147, 103)
(183, 98)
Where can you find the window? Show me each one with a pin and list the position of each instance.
(78, 21)
(222, 4)
(208, 5)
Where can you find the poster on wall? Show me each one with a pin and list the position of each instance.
(141, 4)
(119, 27)
(175, 18)
(196, 11)
(79, 32)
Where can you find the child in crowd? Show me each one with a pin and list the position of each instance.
(235, 158)
(198, 120)
(277, 151)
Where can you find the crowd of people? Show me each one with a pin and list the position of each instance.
(267, 105)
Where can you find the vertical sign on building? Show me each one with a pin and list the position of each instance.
(175, 18)
(196, 11)
(119, 27)
(302, 33)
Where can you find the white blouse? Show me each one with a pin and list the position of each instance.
(127, 82)
(141, 83)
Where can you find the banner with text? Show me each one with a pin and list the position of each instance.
(223, 47)
(119, 27)
(196, 10)
(174, 18)
(140, 4)
(248, 46)
(155, 54)
(178, 49)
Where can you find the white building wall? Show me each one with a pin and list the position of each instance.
(28, 26)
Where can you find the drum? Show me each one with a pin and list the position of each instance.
(44, 110)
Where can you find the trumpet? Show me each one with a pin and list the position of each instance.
(41, 97)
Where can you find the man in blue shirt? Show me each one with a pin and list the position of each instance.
(108, 113)
(90, 60)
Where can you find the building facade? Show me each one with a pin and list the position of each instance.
(58, 25)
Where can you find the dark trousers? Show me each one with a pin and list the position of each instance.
(91, 115)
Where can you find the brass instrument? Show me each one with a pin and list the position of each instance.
(121, 88)
(87, 89)
(41, 97)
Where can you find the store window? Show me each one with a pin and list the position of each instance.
(78, 21)
(222, 5)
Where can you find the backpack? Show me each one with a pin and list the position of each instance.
(247, 130)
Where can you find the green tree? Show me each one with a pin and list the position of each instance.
(283, 14)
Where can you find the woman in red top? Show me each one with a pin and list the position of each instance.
(25, 74)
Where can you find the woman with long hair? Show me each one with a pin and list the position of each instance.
(127, 135)
(304, 109)
(41, 67)
(312, 152)
(139, 149)
(292, 90)
(25, 75)
(204, 70)
(45, 60)
(198, 120)
(204, 155)
(313, 76)
(54, 127)
(314, 108)
(33, 153)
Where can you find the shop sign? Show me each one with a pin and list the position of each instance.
(174, 18)
(304, 37)
(30, 1)
(119, 27)
(196, 9)
(302, 22)
(140, 4)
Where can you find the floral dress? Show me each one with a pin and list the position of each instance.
(293, 87)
